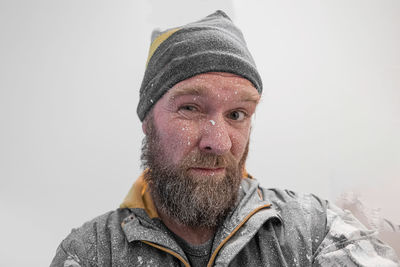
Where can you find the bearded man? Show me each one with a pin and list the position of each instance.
(195, 204)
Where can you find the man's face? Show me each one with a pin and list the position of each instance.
(197, 135)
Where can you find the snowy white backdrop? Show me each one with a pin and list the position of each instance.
(329, 121)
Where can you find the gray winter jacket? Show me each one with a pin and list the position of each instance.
(268, 227)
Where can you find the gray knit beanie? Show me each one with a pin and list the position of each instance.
(213, 44)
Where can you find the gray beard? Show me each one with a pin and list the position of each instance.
(191, 201)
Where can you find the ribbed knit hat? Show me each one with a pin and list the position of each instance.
(213, 44)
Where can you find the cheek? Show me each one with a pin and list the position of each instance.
(187, 134)
(239, 141)
(179, 138)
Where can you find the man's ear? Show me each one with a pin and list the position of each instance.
(146, 123)
(144, 126)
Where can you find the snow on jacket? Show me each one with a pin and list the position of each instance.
(268, 227)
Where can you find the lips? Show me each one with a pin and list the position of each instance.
(207, 170)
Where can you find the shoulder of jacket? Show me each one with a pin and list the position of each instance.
(109, 221)
(282, 197)
(83, 245)
(87, 235)
(305, 212)
(297, 208)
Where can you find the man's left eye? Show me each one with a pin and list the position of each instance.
(237, 115)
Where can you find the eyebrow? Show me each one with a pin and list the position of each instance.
(198, 91)
(247, 97)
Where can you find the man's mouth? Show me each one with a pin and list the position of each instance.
(208, 170)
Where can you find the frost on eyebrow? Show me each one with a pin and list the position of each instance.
(242, 94)
(175, 93)
(193, 90)
(249, 97)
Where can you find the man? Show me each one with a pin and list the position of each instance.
(195, 204)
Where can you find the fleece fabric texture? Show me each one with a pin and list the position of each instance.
(213, 44)
(268, 227)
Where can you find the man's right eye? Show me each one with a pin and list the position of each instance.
(187, 108)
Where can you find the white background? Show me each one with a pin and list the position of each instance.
(70, 72)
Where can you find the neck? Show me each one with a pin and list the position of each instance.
(192, 235)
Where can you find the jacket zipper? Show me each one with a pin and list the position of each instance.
(214, 255)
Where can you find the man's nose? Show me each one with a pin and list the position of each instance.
(215, 136)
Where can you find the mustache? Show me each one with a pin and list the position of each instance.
(199, 159)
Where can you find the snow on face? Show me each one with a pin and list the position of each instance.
(209, 112)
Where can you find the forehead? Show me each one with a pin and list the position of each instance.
(208, 84)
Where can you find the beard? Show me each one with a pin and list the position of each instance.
(191, 200)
